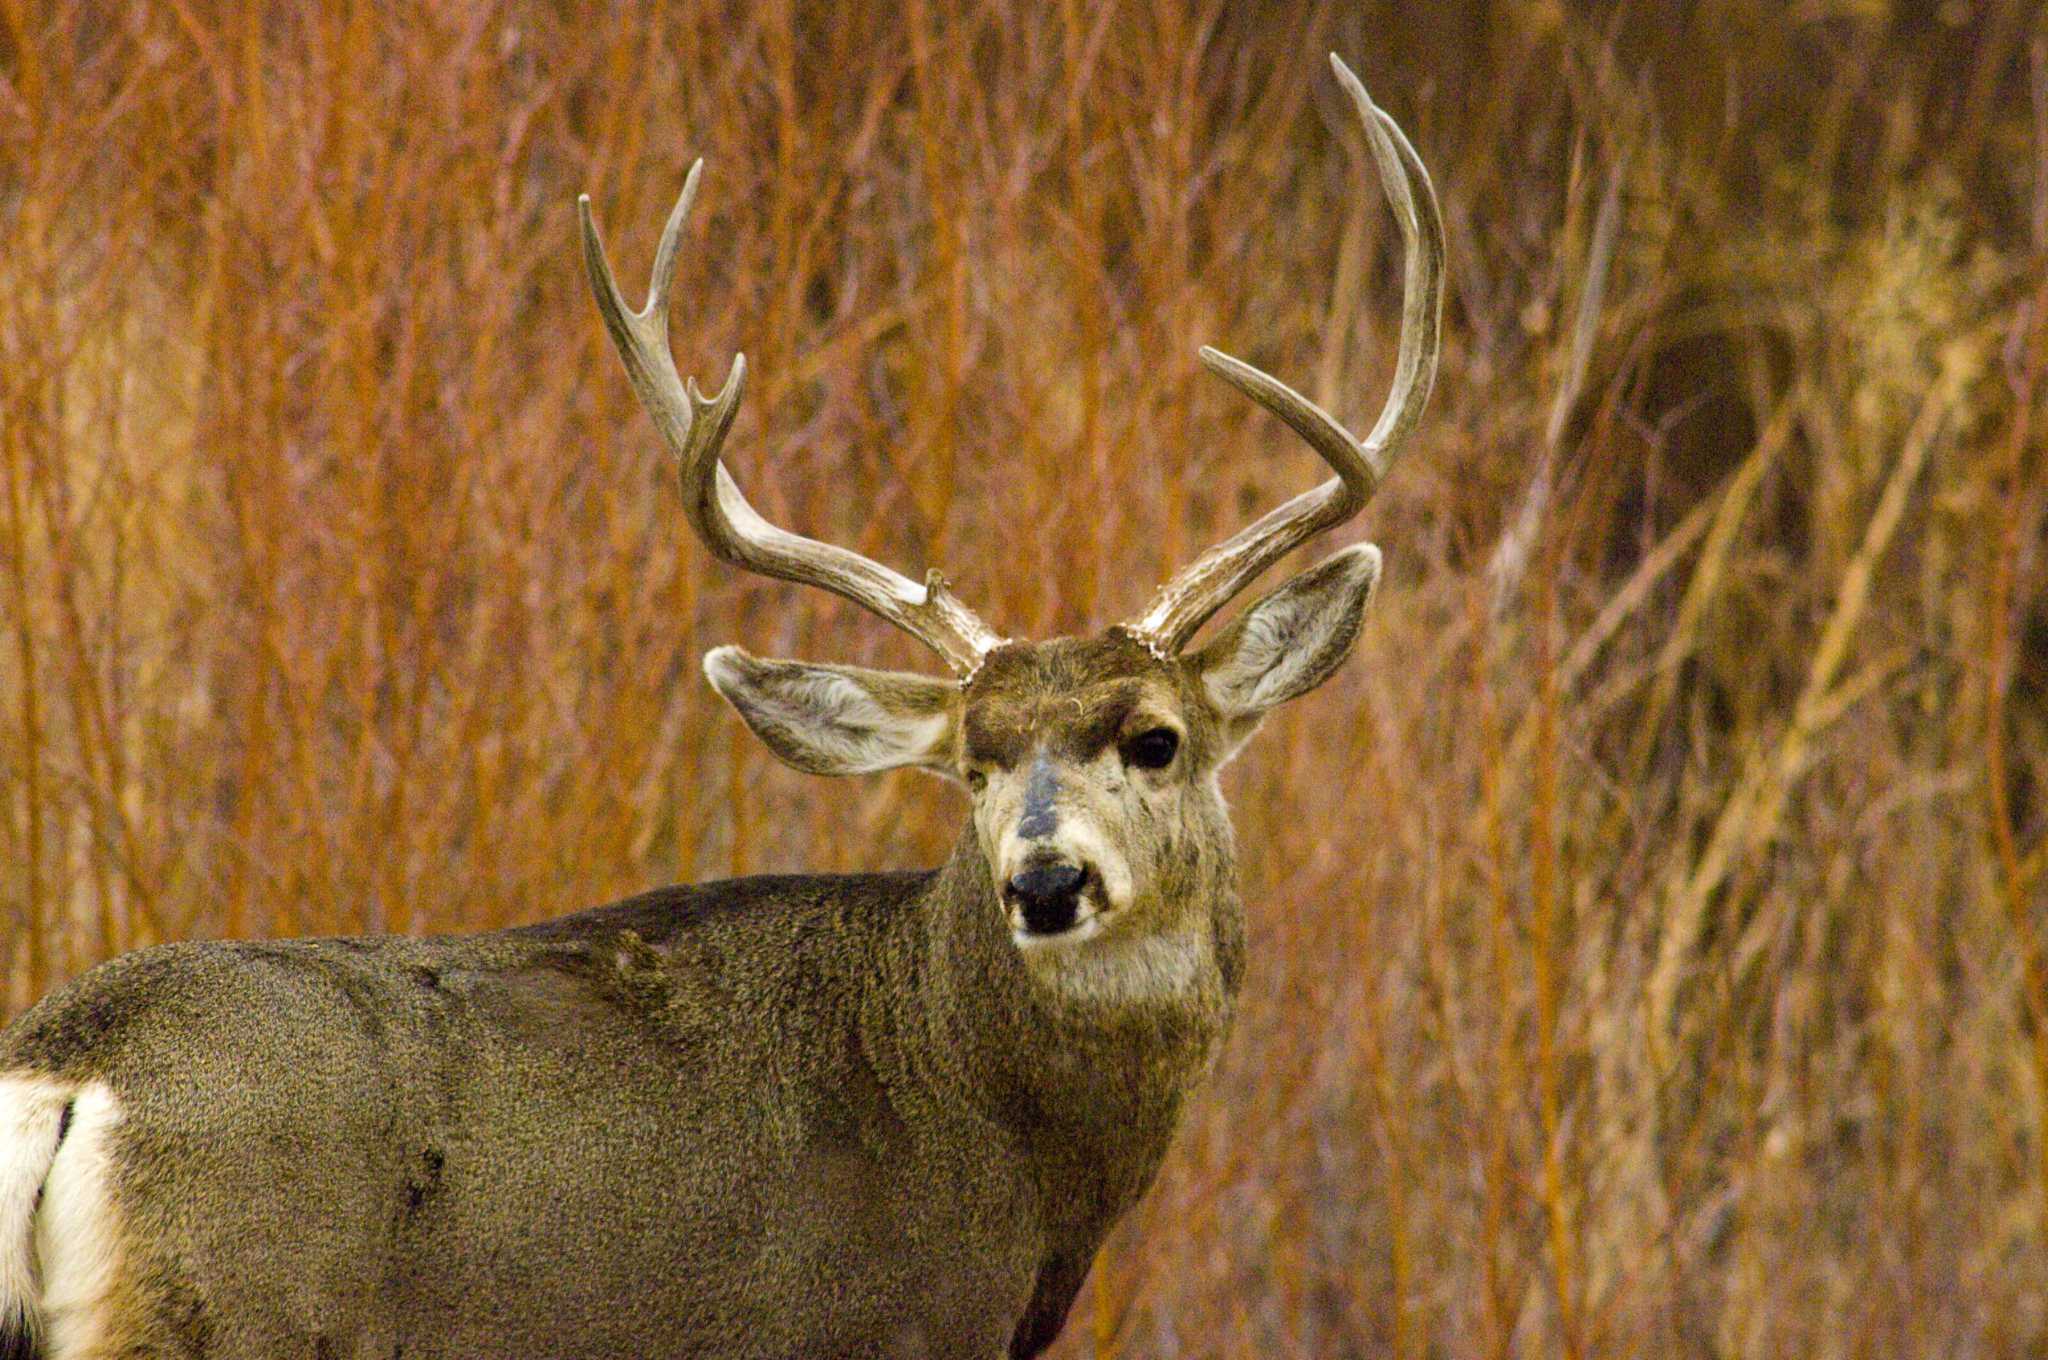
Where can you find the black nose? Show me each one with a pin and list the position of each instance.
(1050, 895)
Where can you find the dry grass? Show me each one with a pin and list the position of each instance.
(1648, 926)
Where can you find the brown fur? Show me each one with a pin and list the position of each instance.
(768, 1117)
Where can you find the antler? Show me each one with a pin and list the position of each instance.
(695, 429)
(1186, 602)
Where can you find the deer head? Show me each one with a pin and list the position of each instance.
(1091, 762)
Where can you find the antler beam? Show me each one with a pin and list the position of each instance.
(1206, 585)
(695, 427)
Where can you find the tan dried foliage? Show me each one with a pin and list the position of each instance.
(1647, 925)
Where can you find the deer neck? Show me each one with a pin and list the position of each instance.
(1088, 1077)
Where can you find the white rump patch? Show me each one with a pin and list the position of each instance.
(75, 1230)
(31, 1110)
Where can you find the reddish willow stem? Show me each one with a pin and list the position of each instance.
(2029, 356)
(2026, 358)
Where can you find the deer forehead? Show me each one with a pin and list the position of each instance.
(1073, 697)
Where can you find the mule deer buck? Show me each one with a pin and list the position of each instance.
(887, 1114)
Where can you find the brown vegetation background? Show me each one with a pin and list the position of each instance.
(1648, 923)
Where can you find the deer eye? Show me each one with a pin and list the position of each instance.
(976, 780)
(1152, 750)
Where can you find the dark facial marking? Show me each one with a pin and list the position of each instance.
(1039, 792)
(994, 737)
(1077, 696)
(1101, 719)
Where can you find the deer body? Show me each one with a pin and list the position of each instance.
(873, 1115)
(712, 1115)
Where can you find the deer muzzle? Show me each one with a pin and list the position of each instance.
(1047, 896)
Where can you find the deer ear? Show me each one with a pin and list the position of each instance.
(839, 719)
(1289, 642)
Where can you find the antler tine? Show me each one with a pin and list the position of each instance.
(1186, 602)
(695, 427)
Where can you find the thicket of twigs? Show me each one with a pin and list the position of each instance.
(1648, 924)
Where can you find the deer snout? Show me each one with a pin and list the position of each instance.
(1048, 895)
